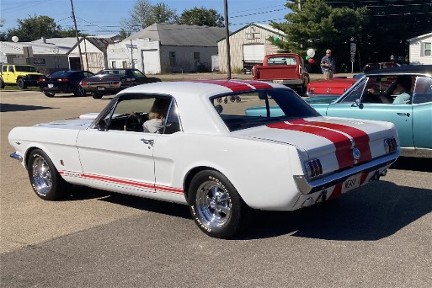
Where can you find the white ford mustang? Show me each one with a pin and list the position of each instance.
(193, 143)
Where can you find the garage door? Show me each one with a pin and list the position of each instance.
(151, 61)
(253, 53)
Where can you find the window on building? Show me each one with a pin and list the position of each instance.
(172, 58)
(427, 49)
(124, 64)
(113, 64)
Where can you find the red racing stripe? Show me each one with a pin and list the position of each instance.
(238, 85)
(337, 191)
(360, 137)
(342, 142)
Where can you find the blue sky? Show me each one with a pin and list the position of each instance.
(105, 16)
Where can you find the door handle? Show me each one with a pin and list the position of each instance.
(403, 114)
(148, 141)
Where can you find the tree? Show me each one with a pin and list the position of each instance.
(387, 30)
(201, 17)
(317, 25)
(144, 14)
(35, 27)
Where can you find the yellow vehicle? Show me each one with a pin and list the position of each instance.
(21, 75)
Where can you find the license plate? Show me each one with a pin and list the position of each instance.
(351, 183)
(100, 88)
(50, 85)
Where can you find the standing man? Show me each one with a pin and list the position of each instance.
(328, 65)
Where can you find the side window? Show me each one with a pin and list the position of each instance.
(423, 90)
(142, 114)
(379, 89)
(11, 69)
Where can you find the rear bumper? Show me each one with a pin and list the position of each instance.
(289, 81)
(377, 165)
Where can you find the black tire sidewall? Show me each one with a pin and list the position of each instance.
(238, 208)
(57, 191)
(49, 94)
(79, 91)
(21, 84)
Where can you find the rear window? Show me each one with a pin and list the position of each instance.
(61, 74)
(246, 110)
(281, 61)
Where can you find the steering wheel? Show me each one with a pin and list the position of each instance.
(133, 123)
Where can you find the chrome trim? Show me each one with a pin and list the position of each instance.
(16, 156)
(306, 187)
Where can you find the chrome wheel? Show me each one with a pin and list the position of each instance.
(213, 205)
(44, 177)
(41, 176)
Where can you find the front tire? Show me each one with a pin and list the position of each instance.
(215, 205)
(79, 91)
(44, 177)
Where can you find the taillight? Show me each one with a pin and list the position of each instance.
(41, 79)
(63, 80)
(390, 145)
(313, 168)
(83, 83)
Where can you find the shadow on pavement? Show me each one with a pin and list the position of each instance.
(414, 164)
(16, 107)
(375, 211)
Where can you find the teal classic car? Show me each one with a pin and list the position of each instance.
(402, 95)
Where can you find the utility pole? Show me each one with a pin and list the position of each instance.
(227, 40)
(76, 33)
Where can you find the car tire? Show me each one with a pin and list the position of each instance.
(97, 95)
(44, 177)
(2, 85)
(49, 94)
(216, 206)
(79, 91)
(21, 84)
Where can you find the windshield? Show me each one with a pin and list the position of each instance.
(241, 111)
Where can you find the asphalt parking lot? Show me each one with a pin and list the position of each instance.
(377, 236)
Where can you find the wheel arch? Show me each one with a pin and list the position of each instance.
(191, 174)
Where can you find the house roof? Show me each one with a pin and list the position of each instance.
(267, 27)
(180, 35)
(38, 48)
(420, 37)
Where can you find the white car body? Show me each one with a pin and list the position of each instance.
(267, 164)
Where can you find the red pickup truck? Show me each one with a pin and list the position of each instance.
(284, 68)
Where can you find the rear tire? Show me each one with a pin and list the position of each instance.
(216, 206)
(21, 84)
(49, 94)
(44, 177)
(97, 95)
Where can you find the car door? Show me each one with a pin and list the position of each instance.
(369, 106)
(422, 112)
(8, 74)
(119, 160)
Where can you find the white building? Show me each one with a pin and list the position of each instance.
(248, 46)
(420, 49)
(165, 48)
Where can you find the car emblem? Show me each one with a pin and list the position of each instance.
(356, 153)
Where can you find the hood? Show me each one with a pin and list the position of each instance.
(76, 123)
(349, 141)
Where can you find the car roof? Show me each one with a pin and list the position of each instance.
(424, 69)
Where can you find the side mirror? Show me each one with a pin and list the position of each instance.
(101, 126)
(356, 103)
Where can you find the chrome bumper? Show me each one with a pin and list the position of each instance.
(306, 187)
(16, 156)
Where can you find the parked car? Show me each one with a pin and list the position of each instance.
(206, 153)
(21, 75)
(283, 68)
(111, 81)
(64, 82)
(379, 65)
(335, 86)
(373, 97)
